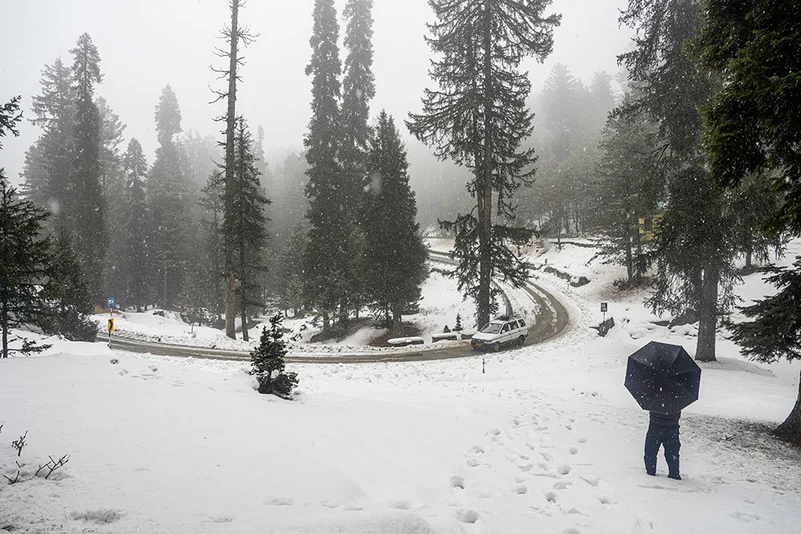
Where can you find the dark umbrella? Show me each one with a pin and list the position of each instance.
(663, 377)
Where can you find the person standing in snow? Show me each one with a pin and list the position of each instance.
(663, 429)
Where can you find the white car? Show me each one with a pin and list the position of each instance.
(500, 331)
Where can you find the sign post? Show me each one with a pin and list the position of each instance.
(603, 309)
(111, 319)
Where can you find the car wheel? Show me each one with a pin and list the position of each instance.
(496, 347)
(520, 341)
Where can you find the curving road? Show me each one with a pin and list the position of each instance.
(551, 321)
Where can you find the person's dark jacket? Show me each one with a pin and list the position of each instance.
(665, 419)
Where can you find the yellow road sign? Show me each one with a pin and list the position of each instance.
(110, 325)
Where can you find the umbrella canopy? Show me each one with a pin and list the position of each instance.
(663, 377)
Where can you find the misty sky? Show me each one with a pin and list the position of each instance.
(146, 44)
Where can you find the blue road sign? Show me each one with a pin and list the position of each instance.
(111, 302)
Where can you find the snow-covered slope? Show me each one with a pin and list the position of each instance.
(546, 440)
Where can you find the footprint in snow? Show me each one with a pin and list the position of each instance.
(745, 517)
(400, 504)
(457, 482)
(281, 501)
(564, 469)
(573, 450)
(546, 456)
(467, 516)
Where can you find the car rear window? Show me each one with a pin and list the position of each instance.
(521, 323)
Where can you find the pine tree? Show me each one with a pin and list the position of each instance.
(287, 213)
(24, 252)
(234, 35)
(87, 215)
(245, 226)
(136, 270)
(629, 185)
(48, 165)
(112, 180)
(695, 247)
(169, 199)
(24, 257)
(268, 364)
(358, 89)
(327, 257)
(752, 128)
(66, 295)
(394, 256)
(563, 170)
(478, 119)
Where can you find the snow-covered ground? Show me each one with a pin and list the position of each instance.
(546, 440)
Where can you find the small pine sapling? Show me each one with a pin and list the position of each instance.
(458, 327)
(268, 361)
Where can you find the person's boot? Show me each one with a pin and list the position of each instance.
(675, 477)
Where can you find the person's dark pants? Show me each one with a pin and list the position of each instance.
(669, 437)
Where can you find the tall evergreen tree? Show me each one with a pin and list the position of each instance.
(48, 164)
(112, 180)
(695, 249)
(478, 118)
(86, 216)
(245, 226)
(235, 35)
(136, 272)
(24, 252)
(169, 200)
(358, 89)
(327, 257)
(629, 185)
(394, 255)
(753, 128)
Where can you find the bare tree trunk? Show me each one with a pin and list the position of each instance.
(629, 259)
(707, 315)
(397, 320)
(243, 306)
(4, 326)
(790, 430)
(230, 297)
(484, 187)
